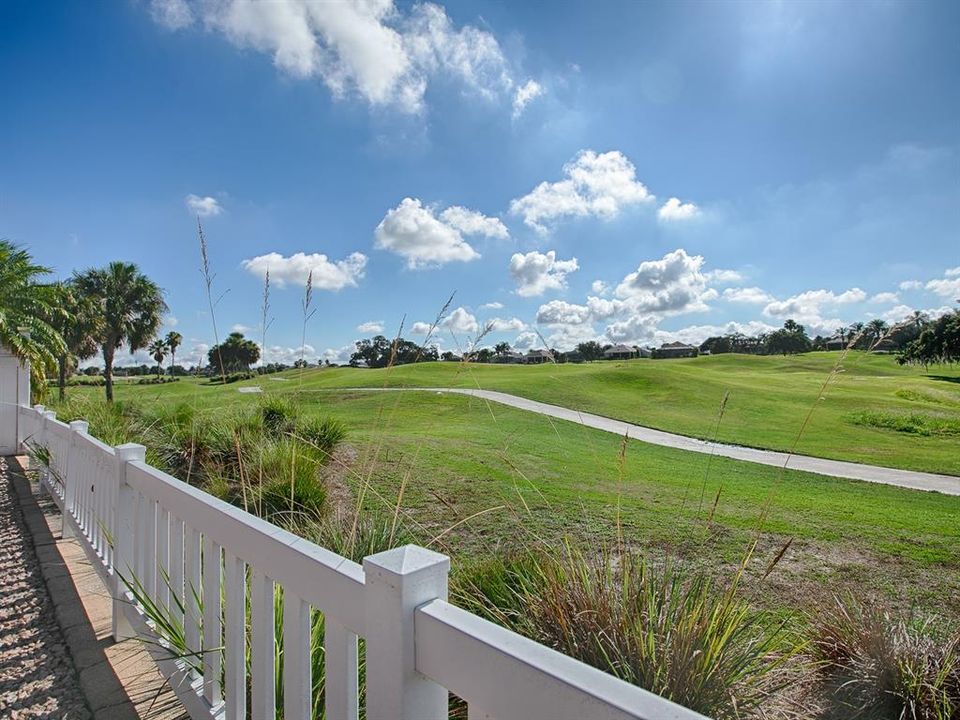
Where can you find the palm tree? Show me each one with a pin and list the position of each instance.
(842, 334)
(877, 329)
(158, 351)
(27, 308)
(77, 325)
(130, 309)
(173, 340)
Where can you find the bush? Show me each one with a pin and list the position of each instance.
(321, 433)
(157, 380)
(884, 666)
(285, 481)
(278, 415)
(230, 378)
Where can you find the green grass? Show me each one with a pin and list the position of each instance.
(769, 399)
(481, 479)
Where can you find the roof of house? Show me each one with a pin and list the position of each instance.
(621, 348)
(677, 346)
(538, 353)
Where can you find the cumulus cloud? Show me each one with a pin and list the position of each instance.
(599, 287)
(203, 206)
(492, 306)
(500, 325)
(414, 232)
(372, 50)
(524, 95)
(338, 356)
(327, 275)
(371, 326)
(536, 272)
(560, 312)
(911, 285)
(172, 14)
(948, 286)
(722, 277)
(885, 297)
(673, 210)
(749, 295)
(673, 284)
(470, 222)
(526, 340)
(171, 321)
(288, 355)
(809, 308)
(241, 328)
(953, 272)
(595, 184)
(420, 328)
(460, 321)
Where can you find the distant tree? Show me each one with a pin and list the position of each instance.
(790, 339)
(590, 350)
(92, 371)
(299, 363)
(483, 355)
(129, 307)
(842, 332)
(717, 345)
(173, 340)
(856, 334)
(76, 323)
(158, 351)
(502, 349)
(938, 343)
(235, 354)
(876, 329)
(448, 356)
(27, 307)
(378, 352)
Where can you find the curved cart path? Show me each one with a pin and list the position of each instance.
(947, 484)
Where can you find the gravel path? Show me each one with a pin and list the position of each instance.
(947, 484)
(37, 676)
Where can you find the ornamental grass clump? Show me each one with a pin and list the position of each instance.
(880, 665)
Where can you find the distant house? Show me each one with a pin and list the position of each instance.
(675, 350)
(835, 343)
(621, 352)
(644, 352)
(573, 356)
(510, 358)
(536, 357)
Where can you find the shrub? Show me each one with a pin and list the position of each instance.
(278, 415)
(230, 378)
(884, 666)
(321, 433)
(675, 633)
(286, 482)
(914, 423)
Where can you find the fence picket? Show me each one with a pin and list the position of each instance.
(212, 629)
(262, 646)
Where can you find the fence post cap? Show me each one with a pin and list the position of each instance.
(406, 560)
(81, 426)
(49, 414)
(131, 452)
(39, 408)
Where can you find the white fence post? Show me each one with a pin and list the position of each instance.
(397, 582)
(123, 541)
(45, 417)
(77, 427)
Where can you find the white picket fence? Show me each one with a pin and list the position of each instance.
(187, 549)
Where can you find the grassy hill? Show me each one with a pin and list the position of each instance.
(872, 411)
(480, 478)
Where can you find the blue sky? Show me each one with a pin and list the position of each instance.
(633, 172)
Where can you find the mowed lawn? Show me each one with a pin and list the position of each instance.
(770, 398)
(482, 478)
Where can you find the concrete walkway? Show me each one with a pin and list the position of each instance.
(81, 673)
(946, 484)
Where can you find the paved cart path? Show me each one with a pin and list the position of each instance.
(947, 484)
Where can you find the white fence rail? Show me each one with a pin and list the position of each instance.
(215, 572)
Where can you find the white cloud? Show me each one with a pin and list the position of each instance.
(505, 325)
(203, 206)
(420, 328)
(460, 321)
(723, 277)
(885, 297)
(172, 14)
(911, 285)
(526, 340)
(524, 95)
(339, 356)
(948, 286)
(599, 287)
(372, 50)
(536, 272)
(672, 284)
(371, 326)
(288, 355)
(596, 184)
(327, 275)
(470, 222)
(171, 321)
(749, 295)
(240, 328)
(492, 306)
(415, 233)
(673, 210)
(560, 312)
(808, 308)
